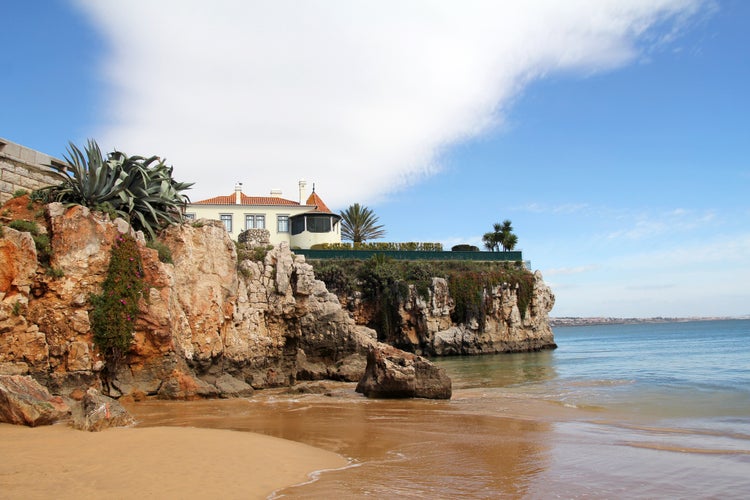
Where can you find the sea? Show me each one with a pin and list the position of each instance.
(644, 410)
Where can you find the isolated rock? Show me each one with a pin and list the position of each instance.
(393, 373)
(99, 412)
(23, 401)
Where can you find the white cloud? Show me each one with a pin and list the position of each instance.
(358, 97)
(646, 225)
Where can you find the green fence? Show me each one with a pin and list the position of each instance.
(409, 255)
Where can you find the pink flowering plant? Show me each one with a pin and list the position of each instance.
(115, 310)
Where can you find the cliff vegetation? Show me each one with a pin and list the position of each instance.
(412, 304)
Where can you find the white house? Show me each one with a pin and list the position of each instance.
(299, 224)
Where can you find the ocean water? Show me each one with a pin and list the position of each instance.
(617, 411)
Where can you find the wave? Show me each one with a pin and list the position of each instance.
(684, 449)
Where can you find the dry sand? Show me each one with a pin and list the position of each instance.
(157, 462)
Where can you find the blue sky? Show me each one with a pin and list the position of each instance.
(614, 135)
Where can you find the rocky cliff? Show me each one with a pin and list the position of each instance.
(212, 324)
(424, 325)
(208, 325)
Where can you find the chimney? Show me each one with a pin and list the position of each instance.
(276, 193)
(238, 193)
(302, 191)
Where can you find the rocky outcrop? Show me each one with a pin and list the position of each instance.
(393, 373)
(426, 327)
(209, 326)
(98, 412)
(212, 324)
(24, 402)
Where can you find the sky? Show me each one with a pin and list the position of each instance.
(615, 135)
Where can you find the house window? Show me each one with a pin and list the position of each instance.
(255, 221)
(298, 225)
(318, 223)
(227, 220)
(189, 215)
(282, 223)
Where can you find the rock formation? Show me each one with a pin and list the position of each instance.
(98, 412)
(215, 324)
(393, 373)
(208, 325)
(24, 402)
(426, 327)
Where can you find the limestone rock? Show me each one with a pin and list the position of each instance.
(23, 401)
(17, 263)
(229, 386)
(426, 326)
(268, 322)
(181, 385)
(99, 412)
(392, 373)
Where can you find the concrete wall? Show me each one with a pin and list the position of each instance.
(23, 168)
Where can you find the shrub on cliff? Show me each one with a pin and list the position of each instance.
(140, 190)
(115, 310)
(384, 283)
(464, 248)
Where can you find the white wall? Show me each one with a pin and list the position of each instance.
(238, 212)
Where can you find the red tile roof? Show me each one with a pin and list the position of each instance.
(312, 201)
(315, 200)
(246, 200)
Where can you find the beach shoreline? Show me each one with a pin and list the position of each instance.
(152, 462)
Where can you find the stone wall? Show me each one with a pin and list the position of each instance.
(23, 168)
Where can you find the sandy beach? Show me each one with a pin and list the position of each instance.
(156, 462)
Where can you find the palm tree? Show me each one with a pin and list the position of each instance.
(490, 241)
(509, 242)
(501, 236)
(359, 224)
(507, 239)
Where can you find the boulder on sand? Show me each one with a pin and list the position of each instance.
(23, 401)
(100, 412)
(393, 373)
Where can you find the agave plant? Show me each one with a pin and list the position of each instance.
(152, 198)
(86, 179)
(141, 190)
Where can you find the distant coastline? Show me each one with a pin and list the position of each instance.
(593, 321)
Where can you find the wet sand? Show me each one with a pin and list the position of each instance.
(483, 443)
(397, 448)
(156, 462)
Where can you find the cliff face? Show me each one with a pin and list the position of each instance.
(208, 326)
(425, 326)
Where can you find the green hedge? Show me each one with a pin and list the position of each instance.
(409, 246)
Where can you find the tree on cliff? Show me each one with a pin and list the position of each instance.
(501, 237)
(140, 190)
(359, 224)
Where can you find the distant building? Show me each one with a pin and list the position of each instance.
(301, 224)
